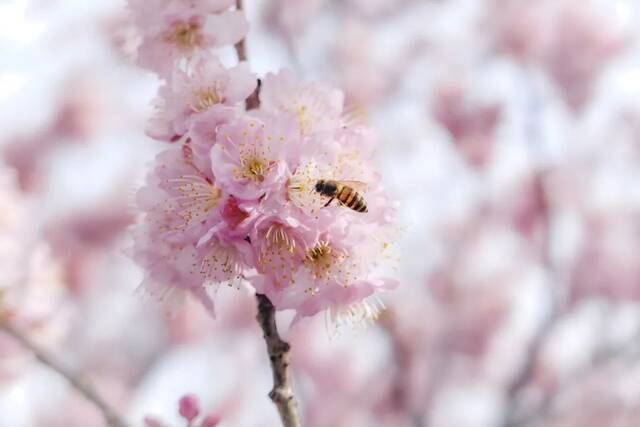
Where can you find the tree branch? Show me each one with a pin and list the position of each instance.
(253, 101)
(241, 48)
(110, 415)
(282, 392)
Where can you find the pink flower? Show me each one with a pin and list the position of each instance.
(182, 199)
(317, 106)
(280, 242)
(177, 29)
(81, 239)
(189, 407)
(581, 46)
(333, 270)
(292, 17)
(568, 40)
(211, 420)
(471, 124)
(236, 201)
(182, 204)
(185, 98)
(250, 156)
(33, 296)
(152, 422)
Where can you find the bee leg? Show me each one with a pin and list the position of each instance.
(329, 202)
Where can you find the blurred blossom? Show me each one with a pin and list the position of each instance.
(292, 17)
(364, 79)
(211, 420)
(176, 30)
(580, 48)
(80, 112)
(527, 208)
(377, 8)
(80, 240)
(189, 407)
(32, 293)
(568, 39)
(471, 124)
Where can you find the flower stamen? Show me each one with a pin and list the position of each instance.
(278, 256)
(184, 35)
(321, 259)
(195, 197)
(206, 99)
(276, 236)
(253, 169)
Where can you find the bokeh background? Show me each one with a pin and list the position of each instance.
(510, 137)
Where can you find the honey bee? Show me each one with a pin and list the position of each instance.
(343, 191)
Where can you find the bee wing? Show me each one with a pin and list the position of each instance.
(356, 185)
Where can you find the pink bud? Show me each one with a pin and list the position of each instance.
(150, 422)
(211, 420)
(189, 407)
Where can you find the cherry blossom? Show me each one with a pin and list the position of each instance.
(235, 202)
(178, 29)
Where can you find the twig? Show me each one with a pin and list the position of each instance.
(282, 392)
(253, 101)
(241, 48)
(109, 414)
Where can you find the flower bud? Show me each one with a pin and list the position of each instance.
(189, 407)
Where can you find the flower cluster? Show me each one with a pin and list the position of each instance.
(235, 199)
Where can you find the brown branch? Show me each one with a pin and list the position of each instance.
(282, 392)
(241, 48)
(110, 415)
(253, 101)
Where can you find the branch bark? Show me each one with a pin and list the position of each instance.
(110, 415)
(241, 48)
(282, 392)
(253, 101)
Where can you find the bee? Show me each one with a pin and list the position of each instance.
(343, 191)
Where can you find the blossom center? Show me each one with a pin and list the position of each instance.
(319, 252)
(320, 259)
(206, 99)
(185, 35)
(196, 197)
(254, 169)
(276, 236)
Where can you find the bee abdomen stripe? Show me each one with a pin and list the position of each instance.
(343, 194)
(350, 198)
(359, 204)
